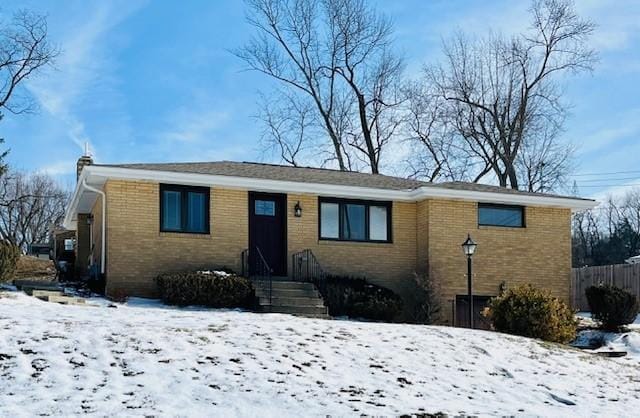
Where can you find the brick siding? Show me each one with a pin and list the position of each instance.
(426, 237)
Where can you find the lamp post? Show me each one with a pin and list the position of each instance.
(469, 247)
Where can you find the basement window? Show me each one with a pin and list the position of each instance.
(184, 209)
(500, 215)
(354, 220)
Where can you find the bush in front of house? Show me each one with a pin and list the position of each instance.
(357, 298)
(531, 312)
(612, 307)
(215, 289)
(427, 305)
(9, 255)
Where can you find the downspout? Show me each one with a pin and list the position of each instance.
(104, 224)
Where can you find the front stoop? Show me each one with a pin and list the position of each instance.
(295, 298)
(57, 297)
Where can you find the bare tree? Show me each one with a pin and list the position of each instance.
(29, 206)
(336, 53)
(503, 95)
(544, 162)
(436, 152)
(608, 234)
(287, 123)
(24, 50)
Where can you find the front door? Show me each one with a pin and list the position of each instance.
(268, 232)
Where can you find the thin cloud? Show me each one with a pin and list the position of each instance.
(611, 135)
(618, 22)
(59, 168)
(196, 127)
(84, 62)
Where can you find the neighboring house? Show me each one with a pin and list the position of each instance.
(633, 260)
(179, 216)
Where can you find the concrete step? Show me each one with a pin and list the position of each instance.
(296, 310)
(292, 301)
(285, 285)
(64, 300)
(45, 293)
(288, 293)
(30, 287)
(318, 316)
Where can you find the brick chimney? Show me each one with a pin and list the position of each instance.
(83, 161)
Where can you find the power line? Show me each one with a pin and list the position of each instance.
(610, 185)
(603, 173)
(608, 179)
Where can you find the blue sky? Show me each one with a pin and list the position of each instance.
(145, 81)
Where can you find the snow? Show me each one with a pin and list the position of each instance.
(628, 341)
(145, 358)
(218, 273)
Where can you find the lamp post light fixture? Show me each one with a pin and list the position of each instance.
(469, 248)
(297, 210)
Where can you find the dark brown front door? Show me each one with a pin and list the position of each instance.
(268, 232)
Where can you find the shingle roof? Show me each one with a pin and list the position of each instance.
(318, 175)
(280, 172)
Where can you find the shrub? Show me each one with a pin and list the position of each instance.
(216, 289)
(427, 307)
(356, 298)
(612, 307)
(9, 256)
(530, 312)
(118, 296)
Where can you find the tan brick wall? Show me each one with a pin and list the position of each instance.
(391, 265)
(138, 251)
(422, 236)
(96, 233)
(83, 245)
(539, 254)
(426, 234)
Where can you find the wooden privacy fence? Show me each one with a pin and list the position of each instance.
(625, 276)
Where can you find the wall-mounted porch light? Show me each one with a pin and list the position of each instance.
(297, 210)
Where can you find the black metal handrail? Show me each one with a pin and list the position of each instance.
(262, 273)
(306, 268)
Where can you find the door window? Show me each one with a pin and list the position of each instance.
(265, 207)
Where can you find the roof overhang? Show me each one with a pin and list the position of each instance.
(82, 200)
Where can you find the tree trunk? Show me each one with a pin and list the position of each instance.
(366, 133)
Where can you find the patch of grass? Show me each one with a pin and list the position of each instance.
(34, 268)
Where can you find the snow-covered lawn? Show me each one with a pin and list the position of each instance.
(628, 341)
(153, 360)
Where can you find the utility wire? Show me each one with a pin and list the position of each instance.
(608, 179)
(609, 185)
(603, 173)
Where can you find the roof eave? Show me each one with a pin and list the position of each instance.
(99, 174)
(69, 221)
(575, 204)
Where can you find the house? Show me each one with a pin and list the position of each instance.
(633, 260)
(135, 221)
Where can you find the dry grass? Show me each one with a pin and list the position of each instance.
(34, 268)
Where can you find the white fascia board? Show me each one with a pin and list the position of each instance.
(426, 192)
(97, 175)
(70, 215)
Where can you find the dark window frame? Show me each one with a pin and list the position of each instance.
(367, 204)
(522, 210)
(184, 196)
